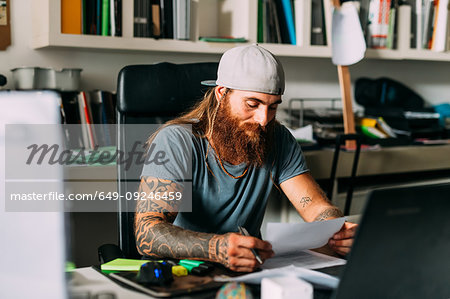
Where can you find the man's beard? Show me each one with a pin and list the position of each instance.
(237, 143)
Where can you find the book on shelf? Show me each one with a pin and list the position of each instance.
(156, 18)
(390, 40)
(115, 17)
(86, 129)
(260, 23)
(98, 17)
(101, 17)
(373, 132)
(317, 24)
(167, 18)
(71, 115)
(95, 113)
(90, 17)
(272, 33)
(71, 16)
(289, 17)
(105, 17)
(378, 23)
(279, 22)
(328, 15)
(440, 27)
(376, 126)
(302, 22)
(182, 19)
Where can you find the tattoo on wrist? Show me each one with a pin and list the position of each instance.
(330, 212)
(304, 201)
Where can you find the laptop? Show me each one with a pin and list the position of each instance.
(33, 242)
(402, 247)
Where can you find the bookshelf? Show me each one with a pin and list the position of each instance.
(208, 17)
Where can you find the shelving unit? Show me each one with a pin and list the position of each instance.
(208, 17)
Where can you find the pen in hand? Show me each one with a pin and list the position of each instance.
(244, 232)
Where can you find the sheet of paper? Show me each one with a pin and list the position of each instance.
(305, 133)
(307, 259)
(293, 237)
(317, 278)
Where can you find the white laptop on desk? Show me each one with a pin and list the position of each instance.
(32, 257)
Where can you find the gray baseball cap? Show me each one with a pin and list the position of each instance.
(250, 68)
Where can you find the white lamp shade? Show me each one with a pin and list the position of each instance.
(347, 40)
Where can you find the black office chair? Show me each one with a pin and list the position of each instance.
(148, 94)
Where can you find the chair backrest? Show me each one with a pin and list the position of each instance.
(150, 94)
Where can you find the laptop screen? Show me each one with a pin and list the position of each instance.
(402, 247)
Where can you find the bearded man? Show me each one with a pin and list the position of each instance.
(238, 153)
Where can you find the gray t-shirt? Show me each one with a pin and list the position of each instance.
(221, 203)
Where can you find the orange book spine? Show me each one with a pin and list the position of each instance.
(71, 16)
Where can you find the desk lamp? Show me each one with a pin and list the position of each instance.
(347, 47)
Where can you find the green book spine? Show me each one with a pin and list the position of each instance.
(260, 37)
(105, 18)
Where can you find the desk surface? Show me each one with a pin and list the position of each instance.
(87, 282)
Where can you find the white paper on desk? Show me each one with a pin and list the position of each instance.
(304, 133)
(317, 278)
(294, 237)
(306, 259)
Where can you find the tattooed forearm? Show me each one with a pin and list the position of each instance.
(330, 212)
(156, 236)
(304, 201)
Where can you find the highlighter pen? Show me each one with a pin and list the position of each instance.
(244, 232)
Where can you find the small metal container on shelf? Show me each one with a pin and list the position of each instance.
(46, 78)
(34, 78)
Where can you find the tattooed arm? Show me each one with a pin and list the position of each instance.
(156, 236)
(309, 199)
(312, 204)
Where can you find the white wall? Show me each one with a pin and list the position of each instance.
(306, 77)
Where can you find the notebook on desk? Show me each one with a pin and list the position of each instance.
(402, 246)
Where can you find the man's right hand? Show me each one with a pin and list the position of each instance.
(235, 252)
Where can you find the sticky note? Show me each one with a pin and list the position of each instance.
(123, 265)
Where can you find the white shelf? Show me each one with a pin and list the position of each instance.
(229, 17)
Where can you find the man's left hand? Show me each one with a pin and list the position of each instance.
(342, 241)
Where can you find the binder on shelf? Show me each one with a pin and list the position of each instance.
(71, 16)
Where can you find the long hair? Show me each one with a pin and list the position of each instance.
(201, 116)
